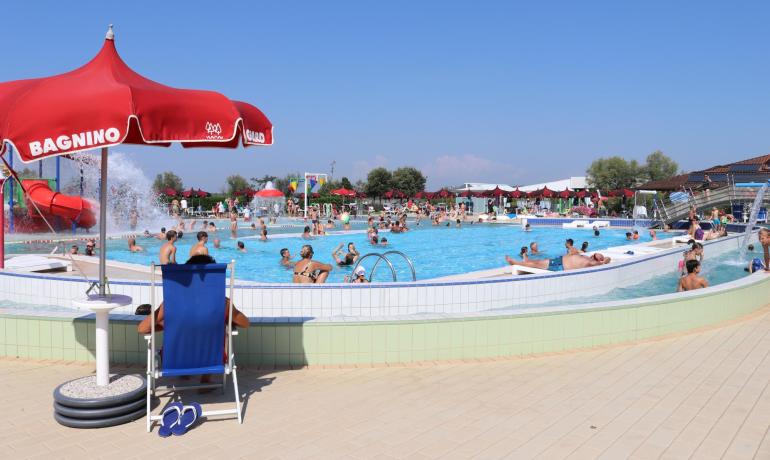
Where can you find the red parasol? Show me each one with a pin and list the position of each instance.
(497, 192)
(465, 194)
(269, 193)
(201, 194)
(580, 194)
(188, 193)
(443, 193)
(517, 193)
(566, 193)
(545, 192)
(168, 191)
(343, 192)
(419, 195)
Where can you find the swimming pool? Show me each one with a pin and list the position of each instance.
(435, 251)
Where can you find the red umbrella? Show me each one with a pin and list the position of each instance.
(465, 194)
(443, 193)
(419, 195)
(580, 194)
(566, 193)
(168, 191)
(343, 192)
(545, 192)
(269, 193)
(497, 192)
(105, 103)
(517, 193)
(201, 194)
(188, 193)
(627, 193)
(360, 195)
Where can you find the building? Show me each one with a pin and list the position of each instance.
(755, 169)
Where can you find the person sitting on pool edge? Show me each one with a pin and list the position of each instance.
(692, 280)
(239, 319)
(307, 270)
(566, 262)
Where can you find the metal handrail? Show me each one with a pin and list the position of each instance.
(407, 259)
(380, 256)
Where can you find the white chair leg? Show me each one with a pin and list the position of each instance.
(237, 396)
(224, 382)
(149, 400)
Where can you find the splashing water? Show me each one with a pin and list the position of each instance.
(755, 208)
(128, 190)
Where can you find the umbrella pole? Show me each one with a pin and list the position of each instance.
(103, 224)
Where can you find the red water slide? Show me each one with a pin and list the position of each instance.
(54, 204)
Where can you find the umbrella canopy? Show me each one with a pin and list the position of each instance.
(360, 195)
(443, 193)
(398, 194)
(189, 193)
(465, 194)
(419, 195)
(202, 194)
(581, 194)
(168, 191)
(343, 192)
(566, 193)
(545, 192)
(269, 193)
(497, 192)
(517, 193)
(105, 103)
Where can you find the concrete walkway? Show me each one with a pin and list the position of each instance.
(700, 395)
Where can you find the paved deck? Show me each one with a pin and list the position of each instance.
(700, 395)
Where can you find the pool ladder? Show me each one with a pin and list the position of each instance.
(384, 256)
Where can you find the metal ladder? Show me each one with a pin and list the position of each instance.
(384, 256)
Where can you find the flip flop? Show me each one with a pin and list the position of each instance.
(190, 414)
(171, 416)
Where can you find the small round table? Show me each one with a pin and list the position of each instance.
(101, 306)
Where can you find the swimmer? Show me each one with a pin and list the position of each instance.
(653, 234)
(90, 246)
(286, 258)
(199, 248)
(347, 259)
(162, 234)
(692, 280)
(168, 250)
(233, 225)
(567, 262)
(636, 235)
(569, 244)
(764, 240)
(74, 249)
(133, 247)
(263, 237)
(306, 233)
(217, 243)
(359, 276)
(241, 247)
(308, 270)
(629, 236)
(329, 224)
(384, 241)
(533, 249)
(527, 228)
(584, 247)
(147, 234)
(212, 227)
(596, 233)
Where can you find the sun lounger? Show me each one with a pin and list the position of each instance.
(195, 338)
(32, 263)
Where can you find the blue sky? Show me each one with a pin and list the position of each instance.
(512, 92)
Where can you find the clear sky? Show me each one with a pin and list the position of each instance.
(510, 92)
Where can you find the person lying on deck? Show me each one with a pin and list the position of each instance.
(566, 262)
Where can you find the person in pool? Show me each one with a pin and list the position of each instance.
(133, 247)
(199, 248)
(764, 240)
(241, 247)
(168, 250)
(636, 235)
(566, 262)
(584, 247)
(569, 244)
(74, 249)
(653, 235)
(306, 233)
(286, 258)
(307, 270)
(596, 233)
(629, 236)
(692, 280)
(359, 275)
(533, 249)
(348, 259)
(263, 236)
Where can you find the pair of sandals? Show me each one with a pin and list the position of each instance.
(178, 418)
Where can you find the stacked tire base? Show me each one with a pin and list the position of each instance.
(99, 412)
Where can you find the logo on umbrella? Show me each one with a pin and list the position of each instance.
(214, 130)
(255, 137)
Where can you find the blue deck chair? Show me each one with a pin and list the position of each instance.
(737, 211)
(194, 331)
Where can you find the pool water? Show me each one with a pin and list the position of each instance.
(716, 270)
(435, 251)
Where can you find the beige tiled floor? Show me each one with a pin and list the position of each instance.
(701, 395)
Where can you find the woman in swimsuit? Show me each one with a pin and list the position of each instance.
(307, 270)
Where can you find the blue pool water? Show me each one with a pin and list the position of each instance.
(435, 251)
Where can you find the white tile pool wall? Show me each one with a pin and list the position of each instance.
(380, 301)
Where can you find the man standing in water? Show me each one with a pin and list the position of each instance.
(692, 280)
(199, 248)
(168, 250)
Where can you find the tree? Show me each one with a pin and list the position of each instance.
(378, 181)
(260, 183)
(658, 166)
(408, 180)
(166, 180)
(613, 173)
(236, 183)
(345, 182)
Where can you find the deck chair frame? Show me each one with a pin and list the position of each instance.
(153, 357)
